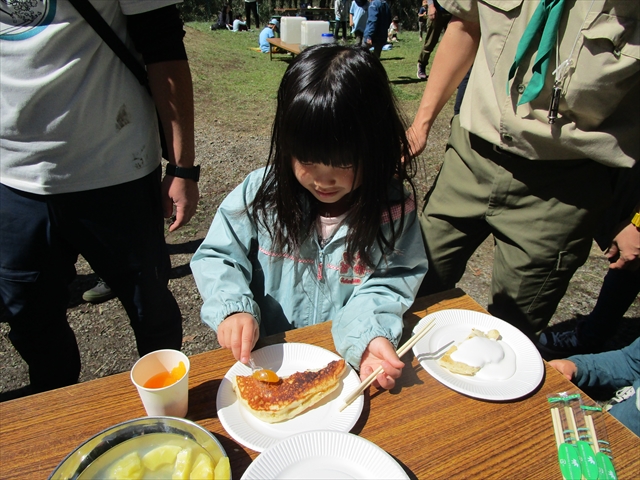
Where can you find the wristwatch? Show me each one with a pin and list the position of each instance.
(192, 173)
(636, 220)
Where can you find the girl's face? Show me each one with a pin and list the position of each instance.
(329, 185)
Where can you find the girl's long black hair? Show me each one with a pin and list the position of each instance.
(336, 107)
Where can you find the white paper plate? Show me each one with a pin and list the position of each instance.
(285, 359)
(324, 455)
(454, 326)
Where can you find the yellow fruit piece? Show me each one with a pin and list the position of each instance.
(178, 372)
(163, 455)
(183, 465)
(202, 468)
(128, 467)
(223, 469)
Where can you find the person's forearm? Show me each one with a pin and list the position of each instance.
(453, 59)
(172, 90)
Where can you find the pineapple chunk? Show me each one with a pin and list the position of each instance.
(183, 465)
(202, 468)
(223, 469)
(163, 455)
(128, 467)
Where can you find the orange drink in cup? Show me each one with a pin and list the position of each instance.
(162, 380)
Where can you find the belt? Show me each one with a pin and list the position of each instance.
(489, 150)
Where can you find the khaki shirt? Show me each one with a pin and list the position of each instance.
(598, 113)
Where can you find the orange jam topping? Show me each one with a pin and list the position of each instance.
(265, 375)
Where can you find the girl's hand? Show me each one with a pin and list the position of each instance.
(381, 352)
(239, 332)
(565, 367)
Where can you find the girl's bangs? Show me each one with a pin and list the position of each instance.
(317, 133)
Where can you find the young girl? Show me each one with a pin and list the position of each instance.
(327, 230)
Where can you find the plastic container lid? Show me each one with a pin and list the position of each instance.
(327, 38)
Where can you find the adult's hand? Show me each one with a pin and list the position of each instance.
(183, 194)
(172, 90)
(453, 59)
(624, 252)
(380, 352)
(417, 140)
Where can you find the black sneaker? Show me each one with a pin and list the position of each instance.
(556, 344)
(422, 75)
(569, 338)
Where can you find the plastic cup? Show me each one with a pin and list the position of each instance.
(172, 400)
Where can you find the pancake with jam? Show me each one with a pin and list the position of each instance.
(289, 396)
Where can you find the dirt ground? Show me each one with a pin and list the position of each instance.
(106, 341)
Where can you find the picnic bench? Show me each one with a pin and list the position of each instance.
(277, 43)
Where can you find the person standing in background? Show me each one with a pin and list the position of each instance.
(358, 19)
(437, 21)
(81, 173)
(378, 21)
(341, 15)
(251, 7)
(422, 19)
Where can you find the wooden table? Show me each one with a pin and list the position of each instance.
(293, 48)
(432, 431)
(287, 12)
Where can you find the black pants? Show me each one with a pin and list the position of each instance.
(251, 7)
(340, 24)
(119, 230)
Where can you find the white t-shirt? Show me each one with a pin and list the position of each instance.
(72, 116)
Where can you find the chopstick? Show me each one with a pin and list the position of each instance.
(557, 426)
(400, 352)
(588, 420)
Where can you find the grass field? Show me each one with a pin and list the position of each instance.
(233, 84)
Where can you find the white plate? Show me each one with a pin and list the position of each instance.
(454, 326)
(324, 455)
(285, 359)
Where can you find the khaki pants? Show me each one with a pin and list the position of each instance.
(542, 215)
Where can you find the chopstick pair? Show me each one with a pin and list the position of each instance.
(579, 455)
(349, 399)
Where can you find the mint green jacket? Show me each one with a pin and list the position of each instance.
(236, 270)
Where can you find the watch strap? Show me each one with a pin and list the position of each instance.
(192, 173)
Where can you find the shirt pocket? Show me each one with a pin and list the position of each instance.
(502, 18)
(606, 67)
